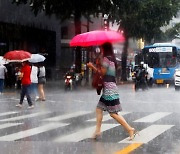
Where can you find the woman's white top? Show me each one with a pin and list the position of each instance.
(34, 74)
(3, 70)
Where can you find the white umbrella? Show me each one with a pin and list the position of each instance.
(3, 61)
(36, 58)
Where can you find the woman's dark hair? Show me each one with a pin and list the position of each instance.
(108, 51)
(26, 62)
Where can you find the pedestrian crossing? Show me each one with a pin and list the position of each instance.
(31, 132)
(82, 123)
(24, 116)
(148, 134)
(153, 117)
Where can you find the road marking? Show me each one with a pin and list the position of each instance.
(148, 134)
(2, 101)
(51, 101)
(129, 148)
(31, 132)
(67, 116)
(6, 125)
(107, 117)
(7, 113)
(25, 116)
(16, 99)
(79, 101)
(83, 133)
(153, 117)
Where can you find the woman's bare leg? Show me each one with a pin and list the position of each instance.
(99, 117)
(122, 121)
(41, 91)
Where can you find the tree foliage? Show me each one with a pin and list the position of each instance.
(142, 18)
(172, 32)
(63, 9)
(137, 18)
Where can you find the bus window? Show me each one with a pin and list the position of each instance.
(153, 60)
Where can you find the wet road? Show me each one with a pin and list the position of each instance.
(64, 123)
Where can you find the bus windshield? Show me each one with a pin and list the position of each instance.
(157, 57)
(161, 60)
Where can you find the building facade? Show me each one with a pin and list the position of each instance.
(21, 29)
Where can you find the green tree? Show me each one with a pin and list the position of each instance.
(141, 19)
(172, 32)
(65, 9)
(137, 18)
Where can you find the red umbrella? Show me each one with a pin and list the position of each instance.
(17, 56)
(97, 37)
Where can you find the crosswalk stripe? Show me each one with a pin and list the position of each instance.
(7, 113)
(67, 116)
(6, 125)
(80, 101)
(25, 116)
(16, 99)
(153, 117)
(83, 133)
(107, 117)
(31, 132)
(148, 134)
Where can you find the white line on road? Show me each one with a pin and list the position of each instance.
(25, 116)
(108, 117)
(31, 132)
(83, 133)
(51, 101)
(67, 116)
(16, 99)
(6, 125)
(153, 117)
(7, 113)
(78, 101)
(148, 134)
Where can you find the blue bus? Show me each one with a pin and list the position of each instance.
(162, 59)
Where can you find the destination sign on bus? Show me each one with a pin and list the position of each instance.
(161, 49)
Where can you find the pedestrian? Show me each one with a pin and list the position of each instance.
(26, 83)
(109, 100)
(18, 78)
(41, 81)
(34, 81)
(3, 71)
(11, 78)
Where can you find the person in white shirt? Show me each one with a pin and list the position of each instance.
(34, 81)
(41, 81)
(3, 71)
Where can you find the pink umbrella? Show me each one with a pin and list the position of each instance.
(97, 37)
(17, 56)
